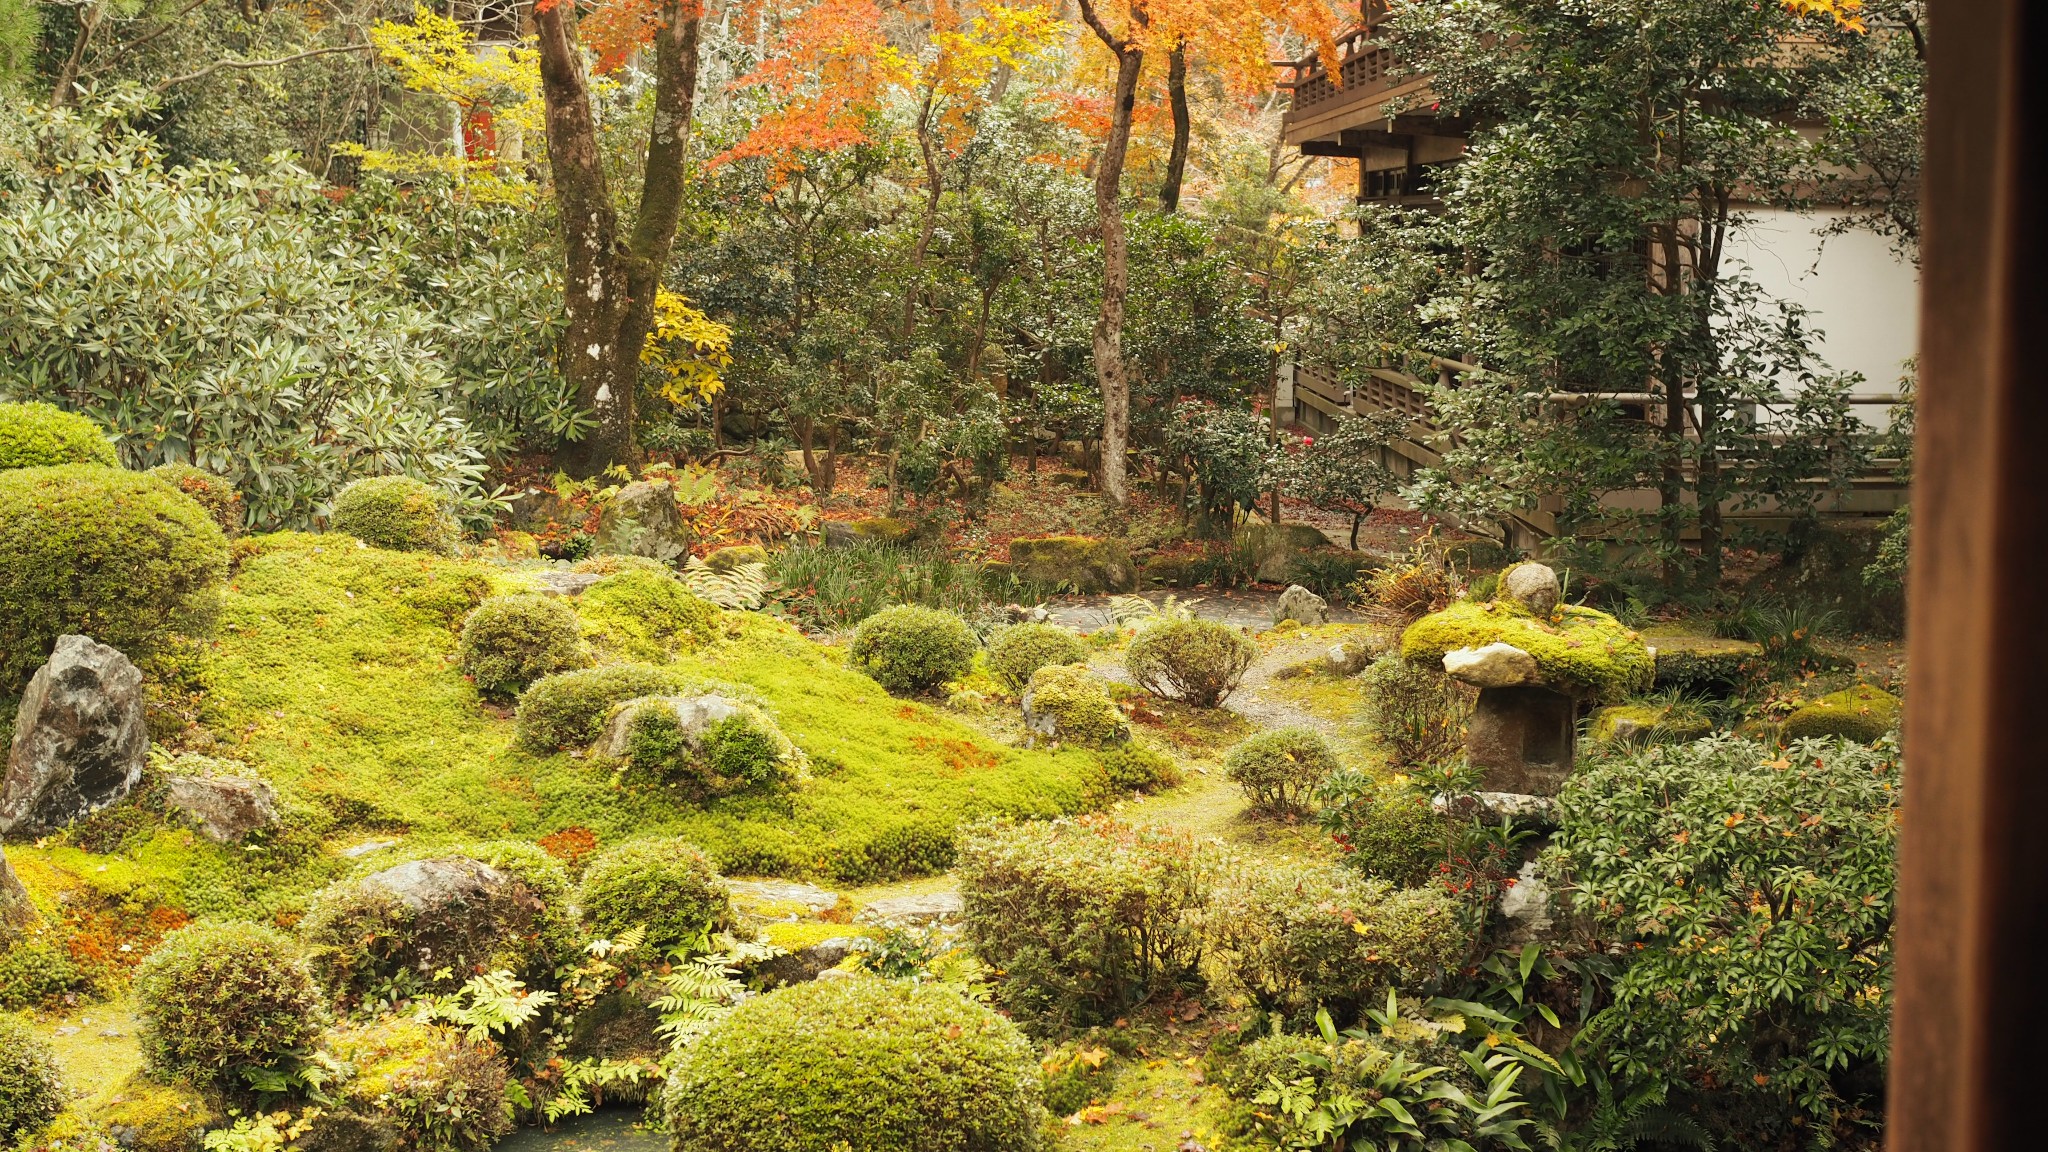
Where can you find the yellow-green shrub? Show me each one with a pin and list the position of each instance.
(1196, 661)
(1280, 769)
(867, 1063)
(1863, 714)
(1122, 769)
(108, 554)
(36, 435)
(434, 1088)
(511, 641)
(568, 709)
(641, 614)
(667, 887)
(1021, 649)
(212, 493)
(395, 512)
(31, 1088)
(1070, 704)
(218, 1000)
(910, 649)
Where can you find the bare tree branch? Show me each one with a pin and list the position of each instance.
(216, 66)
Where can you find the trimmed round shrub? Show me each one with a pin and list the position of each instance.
(1070, 704)
(645, 614)
(668, 887)
(216, 1000)
(104, 553)
(35, 435)
(1198, 662)
(511, 641)
(1863, 714)
(395, 512)
(568, 709)
(441, 1091)
(878, 1065)
(212, 493)
(912, 649)
(1021, 649)
(1131, 767)
(1386, 832)
(31, 1088)
(1279, 770)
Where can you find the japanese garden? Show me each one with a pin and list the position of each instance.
(954, 575)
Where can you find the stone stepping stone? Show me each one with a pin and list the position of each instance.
(927, 906)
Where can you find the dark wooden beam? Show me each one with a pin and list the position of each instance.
(1967, 1057)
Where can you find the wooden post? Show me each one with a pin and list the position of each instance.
(1973, 921)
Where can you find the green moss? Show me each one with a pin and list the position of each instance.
(35, 434)
(1703, 663)
(1074, 563)
(152, 1116)
(395, 512)
(645, 615)
(802, 934)
(1070, 705)
(1648, 724)
(568, 710)
(1582, 649)
(1863, 713)
(212, 493)
(882, 530)
(727, 559)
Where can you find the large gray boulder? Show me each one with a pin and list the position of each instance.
(17, 911)
(79, 739)
(694, 714)
(1301, 606)
(643, 520)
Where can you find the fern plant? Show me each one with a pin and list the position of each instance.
(702, 987)
(489, 1005)
(744, 588)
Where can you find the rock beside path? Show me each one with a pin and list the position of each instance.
(1301, 606)
(79, 738)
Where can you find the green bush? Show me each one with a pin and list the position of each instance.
(511, 641)
(1862, 713)
(39, 972)
(1752, 897)
(1386, 831)
(36, 435)
(212, 493)
(108, 554)
(1359, 1089)
(1069, 704)
(1415, 712)
(568, 709)
(395, 512)
(668, 887)
(1021, 649)
(911, 649)
(1082, 918)
(220, 1000)
(1297, 937)
(435, 1089)
(31, 1088)
(706, 746)
(867, 1063)
(641, 614)
(1130, 767)
(1279, 770)
(1196, 661)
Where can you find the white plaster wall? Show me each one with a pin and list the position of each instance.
(1859, 293)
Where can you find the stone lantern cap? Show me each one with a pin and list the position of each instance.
(1525, 637)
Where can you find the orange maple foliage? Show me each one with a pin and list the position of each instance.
(616, 29)
(830, 72)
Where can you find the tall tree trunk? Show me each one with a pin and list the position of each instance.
(928, 223)
(1109, 321)
(1177, 99)
(609, 286)
(64, 92)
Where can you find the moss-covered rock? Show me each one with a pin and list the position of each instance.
(705, 746)
(1703, 663)
(35, 435)
(432, 1087)
(569, 709)
(1075, 563)
(1648, 724)
(646, 615)
(427, 925)
(1276, 551)
(155, 1116)
(1862, 713)
(725, 560)
(1068, 704)
(1578, 650)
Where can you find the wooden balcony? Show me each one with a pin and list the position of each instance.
(1323, 109)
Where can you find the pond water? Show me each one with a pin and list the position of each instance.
(606, 1130)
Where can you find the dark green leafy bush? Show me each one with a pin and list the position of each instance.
(212, 493)
(568, 709)
(1297, 937)
(1196, 661)
(1752, 895)
(31, 1088)
(1082, 918)
(1279, 770)
(642, 614)
(1386, 831)
(436, 1089)
(1021, 649)
(109, 554)
(668, 887)
(867, 1063)
(1414, 711)
(511, 641)
(219, 1001)
(911, 649)
(395, 512)
(34, 435)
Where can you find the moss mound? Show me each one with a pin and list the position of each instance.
(511, 641)
(668, 887)
(113, 555)
(211, 492)
(878, 1065)
(1074, 563)
(1862, 713)
(1070, 704)
(643, 614)
(1580, 649)
(1648, 724)
(35, 435)
(152, 1116)
(395, 512)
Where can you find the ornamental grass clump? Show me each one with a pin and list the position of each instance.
(36, 435)
(508, 642)
(31, 1086)
(1279, 770)
(867, 1063)
(912, 649)
(568, 709)
(221, 1001)
(1021, 649)
(1198, 662)
(667, 887)
(395, 512)
(96, 551)
(1082, 918)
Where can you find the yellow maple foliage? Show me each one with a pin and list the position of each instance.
(688, 349)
